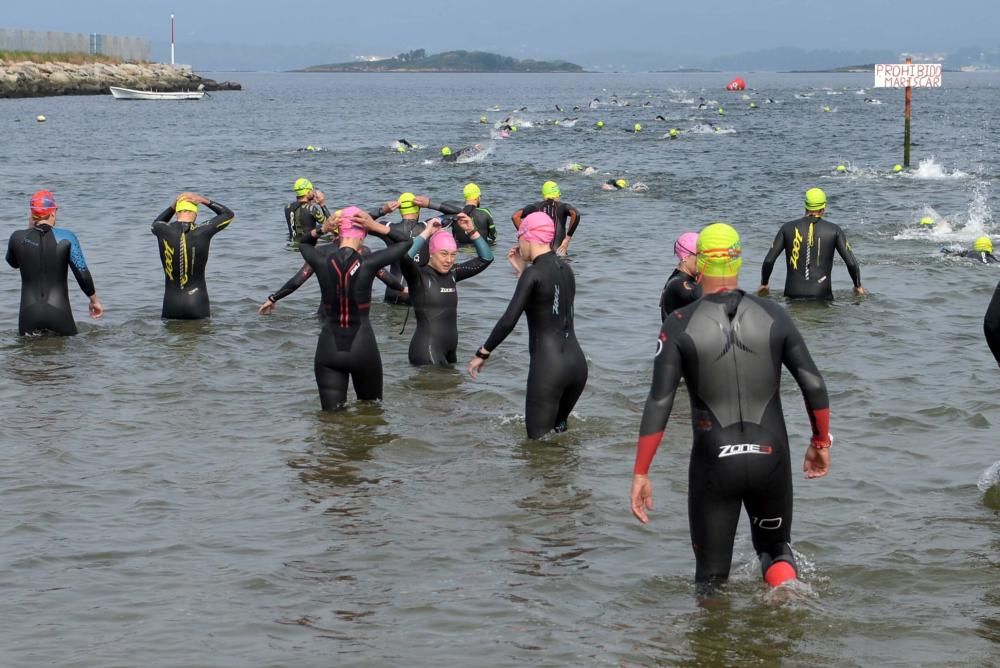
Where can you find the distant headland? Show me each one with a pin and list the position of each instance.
(449, 61)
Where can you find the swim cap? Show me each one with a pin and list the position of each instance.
(600, 124)
(43, 204)
(550, 190)
(441, 240)
(621, 184)
(815, 199)
(483, 119)
(406, 204)
(897, 168)
(184, 205)
(983, 244)
(310, 148)
(471, 191)
(673, 132)
(537, 228)
(719, 251)
(445, 151)
(926, 220)
(841, 168)
(576, 167)
(636, 128)
(686, 245)
(348, 230)
(302, 186)
(401, 149)
(722, 112)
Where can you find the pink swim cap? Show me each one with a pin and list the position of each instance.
(348, 230)
(442, 240)
(537, 228)
(686, 245)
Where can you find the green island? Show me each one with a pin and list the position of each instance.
(449, 61)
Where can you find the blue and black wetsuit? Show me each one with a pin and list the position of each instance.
(680, 290)
(346, 348)
(729, 348)
(561, 213)
(557, 372)
(184, 255)
(809, 244)
(435, 302)
(43, 254)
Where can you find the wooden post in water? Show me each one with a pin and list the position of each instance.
(906, 123)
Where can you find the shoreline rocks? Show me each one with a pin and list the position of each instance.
(31, 79)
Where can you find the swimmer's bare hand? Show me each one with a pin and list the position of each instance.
(516, 261)
(465, 223)
(330, 225)
(475, 365)
(817, 462)
(405, 292)
(434, 225)
(318, 197)
(267, 307)
(389, 207)
(860, 290)
(423, 201)
(641, 497)
(96, 309)
(364, 219)
(763, 291)
(563, 247)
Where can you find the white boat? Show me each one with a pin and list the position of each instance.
(130, 94)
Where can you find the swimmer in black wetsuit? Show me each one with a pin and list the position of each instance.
(184, 254)
(558, 211)
(434, 292)
(557, 370)
(991, 324)
(306, 214)
(682, 286)
(409, 209)
(982, 251)
(42, 253)
(729, 348)
(481, 217)
(447, 155)
(809, 243)
(615, 184)
(346, 348)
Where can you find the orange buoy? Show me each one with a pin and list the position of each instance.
(737, 84)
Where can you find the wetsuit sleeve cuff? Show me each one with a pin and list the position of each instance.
(820, 419)
(645, 451)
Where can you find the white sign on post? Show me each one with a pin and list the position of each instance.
(901, 75)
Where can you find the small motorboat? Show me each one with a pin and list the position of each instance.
(130, 94)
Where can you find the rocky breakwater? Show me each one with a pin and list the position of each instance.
(30, 79)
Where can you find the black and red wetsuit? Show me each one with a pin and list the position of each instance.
(346, 346)
(729, 348)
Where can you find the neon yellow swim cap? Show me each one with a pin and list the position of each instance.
(576, 167)
(302, 186)
(719, 251)
(406, 204)
(621, 184)
(897, 168)
(815, 199)
(401, 149)
(636, 128)
(184, 205)
(513, 128)
(926, 220)
(310, 148)
(674, 132)
(471, 191)
(983, 244)
(550, 190)
(841, 168)
(825, 108)
(445, 151)
(600, 124)
(483, 119)
(722, 112)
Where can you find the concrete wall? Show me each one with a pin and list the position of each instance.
(126, 48)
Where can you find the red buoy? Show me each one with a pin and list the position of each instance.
(737, 84)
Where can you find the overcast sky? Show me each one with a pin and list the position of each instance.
(567, 29)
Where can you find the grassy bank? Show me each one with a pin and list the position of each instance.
(72, 58)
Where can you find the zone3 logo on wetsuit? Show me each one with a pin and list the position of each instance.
(744, 449)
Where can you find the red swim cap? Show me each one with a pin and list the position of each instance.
(43, 204)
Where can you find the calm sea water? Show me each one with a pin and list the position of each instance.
(173, 496)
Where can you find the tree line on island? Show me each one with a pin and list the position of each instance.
(417, 60)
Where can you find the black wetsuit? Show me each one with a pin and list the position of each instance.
(614, 184)
(983, 257)
(302, 218)
(557, 372)
(303, 274)
(346, 347)
(462, 152)
(43, 253)
(560, 212)
(809, 243)
(412, 227)
(481, 217)
(184, 254)
(435, 303)
(991, 324)
(679, 290)
(729, 347)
